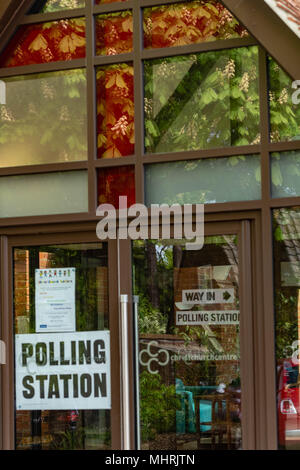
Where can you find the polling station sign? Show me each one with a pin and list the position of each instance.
(63, 371)
(226, 317)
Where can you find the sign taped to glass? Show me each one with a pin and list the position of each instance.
(64, 371)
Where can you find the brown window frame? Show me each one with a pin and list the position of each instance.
(258, 212)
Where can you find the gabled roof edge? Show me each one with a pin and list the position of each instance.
(10, 19)
(270, 31)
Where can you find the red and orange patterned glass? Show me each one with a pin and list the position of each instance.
(115, 111)
(189, 23)
(114, 33)
(115, 182)
(46, 42)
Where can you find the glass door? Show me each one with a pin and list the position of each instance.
(63, 346)
(194, 370)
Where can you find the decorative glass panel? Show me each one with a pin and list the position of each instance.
(114, 33)
(202, 101)
(115, 182)
(50, 193)
(46, 42)
(286, 174)
(44, 119)
(284, 115)
(115, 111)
(286, 230)
(45, 6)
(187, 23)
(209, 180)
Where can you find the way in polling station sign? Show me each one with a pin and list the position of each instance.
(63, 371)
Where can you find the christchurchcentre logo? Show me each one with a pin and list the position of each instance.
(139, 222)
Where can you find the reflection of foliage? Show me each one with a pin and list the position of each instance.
(202, 100)
(114, 33)
(158, 406)
(115, 111)
(187, 23)
(46, 42)
(45, 6)
(44, 120)
(286, 323)
(150, 319)
(284, 115)
(69, 440)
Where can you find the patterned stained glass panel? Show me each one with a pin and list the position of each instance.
(115, 182)
(46, 42)
(46, 6)
(114, 33)
(180, 24)
(115, 111)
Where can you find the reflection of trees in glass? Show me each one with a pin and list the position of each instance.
(158, 406)
(284, 115)
(44, 119)
(202, 101)
(286, 249)
(45, 6)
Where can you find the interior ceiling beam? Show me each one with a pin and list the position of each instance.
(270, 31)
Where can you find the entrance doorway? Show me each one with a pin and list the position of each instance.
(194, 326)
(188, 364)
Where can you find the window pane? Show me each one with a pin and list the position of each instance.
(115, 111)
(189, 355)
(45, 6)
(207, 181)
(187, 23)
(44, 119)
(79, 280)
(284, 115)
(50, 193)
(285, 174)
(46, 42)
(115, 182)
(202, 101)
(114, 33)
(286, 225)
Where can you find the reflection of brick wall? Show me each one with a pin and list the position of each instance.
(21, 290)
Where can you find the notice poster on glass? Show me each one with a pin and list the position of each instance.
(55, 300)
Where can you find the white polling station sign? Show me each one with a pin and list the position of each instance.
(226, 317)
(63, 371)
(208, 296)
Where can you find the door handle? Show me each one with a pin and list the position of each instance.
(135, 301)
(125, 373)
